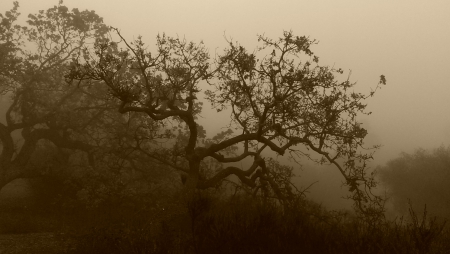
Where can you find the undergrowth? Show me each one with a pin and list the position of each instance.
(238, 224)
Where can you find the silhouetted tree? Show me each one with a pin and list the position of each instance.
(283, 101)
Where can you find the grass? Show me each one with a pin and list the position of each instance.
(240, 224)
(17, 216)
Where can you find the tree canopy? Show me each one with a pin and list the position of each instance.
(81, 85)
(34, 60)
(283, 101)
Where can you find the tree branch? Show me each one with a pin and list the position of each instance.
(243, 175)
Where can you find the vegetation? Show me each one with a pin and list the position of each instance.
(65, 90)
(237, 224)
(109, 126)
(42, 107)
(420, 178)
(276, 102)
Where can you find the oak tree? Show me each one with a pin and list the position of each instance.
(43, 107)
(278, 96)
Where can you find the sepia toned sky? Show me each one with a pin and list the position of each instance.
(408, 41)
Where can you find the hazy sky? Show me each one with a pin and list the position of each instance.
(408, 41)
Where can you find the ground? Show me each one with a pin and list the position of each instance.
(32, 243)
(17, 225)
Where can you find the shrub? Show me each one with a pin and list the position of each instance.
(421, 177)
(244, 224)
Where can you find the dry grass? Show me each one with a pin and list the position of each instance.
(211, 225)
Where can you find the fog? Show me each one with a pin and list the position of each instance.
(407, 41)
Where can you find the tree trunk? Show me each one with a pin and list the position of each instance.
(193, 176)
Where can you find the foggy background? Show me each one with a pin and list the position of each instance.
(407, 41)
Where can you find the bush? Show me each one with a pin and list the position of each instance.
(18, 223)
(421, 177)
(126, 230)
(24, 220)
(243, 224)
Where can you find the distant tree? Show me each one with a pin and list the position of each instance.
(69, 135)
(10, 42)
(276, 101)
(33, 60)
(422, 177)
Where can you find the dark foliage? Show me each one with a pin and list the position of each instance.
(241, 224)
(421, 177)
